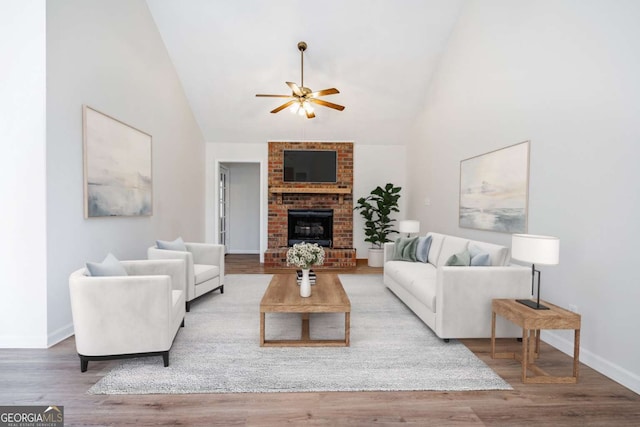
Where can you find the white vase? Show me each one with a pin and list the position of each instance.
(305, 284)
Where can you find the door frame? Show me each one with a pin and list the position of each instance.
(263, 198)
(222, 170)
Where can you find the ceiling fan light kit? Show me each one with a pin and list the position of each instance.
(301, 97)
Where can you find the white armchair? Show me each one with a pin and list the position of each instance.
(205, 267)
(128, 316)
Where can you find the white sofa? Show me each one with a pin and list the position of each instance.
(205, 267)
(128, 316)
(455, 302)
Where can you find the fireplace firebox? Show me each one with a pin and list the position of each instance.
(311, 226)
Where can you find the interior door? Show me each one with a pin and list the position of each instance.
(223, 205)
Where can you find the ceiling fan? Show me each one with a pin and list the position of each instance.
(301, 96)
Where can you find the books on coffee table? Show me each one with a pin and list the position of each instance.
(312, 277)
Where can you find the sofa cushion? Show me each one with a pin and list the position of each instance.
(175, 245)
(461, 259)
(451, 245)
(205, 272)
(499, 254)
(419, 279)
(422, 250)
(436, 247)
(405, 249)
(110, 266)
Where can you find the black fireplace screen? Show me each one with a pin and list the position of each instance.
(311, 226)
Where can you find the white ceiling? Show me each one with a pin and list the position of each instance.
(380, 54)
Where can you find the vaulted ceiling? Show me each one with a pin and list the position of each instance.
(380, 54)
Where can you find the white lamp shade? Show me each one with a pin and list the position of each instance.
(535, 249)
(409, 226)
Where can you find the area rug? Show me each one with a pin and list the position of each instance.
(218, 350)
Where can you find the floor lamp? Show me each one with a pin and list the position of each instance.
(409, 226)
(534, 249)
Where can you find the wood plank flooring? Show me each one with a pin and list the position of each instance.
(53, 377)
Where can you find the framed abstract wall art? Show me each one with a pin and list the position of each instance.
(494, 190)
(117, 167)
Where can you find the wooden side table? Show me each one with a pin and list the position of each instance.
(532, 322)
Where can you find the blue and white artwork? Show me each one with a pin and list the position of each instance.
(494, 190)
(117, 167)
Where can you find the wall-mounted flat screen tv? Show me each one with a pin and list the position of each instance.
(310, 166)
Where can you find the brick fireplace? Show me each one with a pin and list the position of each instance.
(311, 226)
(336, 197)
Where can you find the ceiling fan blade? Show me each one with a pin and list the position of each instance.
(327, 104)
(308, 110)
(274, 96)
(295, 88)
(283, 106)
(323, 92)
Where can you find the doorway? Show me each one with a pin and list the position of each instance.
(239, 207)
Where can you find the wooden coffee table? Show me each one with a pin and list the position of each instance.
(283, 296)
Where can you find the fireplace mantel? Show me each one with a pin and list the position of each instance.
(310, 190)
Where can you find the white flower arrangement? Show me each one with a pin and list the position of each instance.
(304, 255)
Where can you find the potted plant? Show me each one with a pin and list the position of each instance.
(376, 210)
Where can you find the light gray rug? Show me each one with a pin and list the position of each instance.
(218, 350)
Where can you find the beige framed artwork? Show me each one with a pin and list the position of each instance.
(494, 190)
(117, 167)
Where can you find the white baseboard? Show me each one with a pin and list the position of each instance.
(244, 251)
(11, 341)
(60, 335)
(605, 367)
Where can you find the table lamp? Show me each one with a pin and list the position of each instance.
(409, 226)
(543, 250)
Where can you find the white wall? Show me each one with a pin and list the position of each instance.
(244, 208)
(377, 165)
(563, 74)
(373, 165)
(109, 55)
(23, 257)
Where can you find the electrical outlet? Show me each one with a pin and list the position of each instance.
(573, 307)
(427, 201)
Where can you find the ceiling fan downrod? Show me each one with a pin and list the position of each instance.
(302, 46)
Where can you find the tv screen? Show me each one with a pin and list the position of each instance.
(310, 166)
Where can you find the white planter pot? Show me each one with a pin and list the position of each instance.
(376, 257)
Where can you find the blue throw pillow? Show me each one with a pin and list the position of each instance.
(109, 267)
(479, 257)
(482, 260)
(176, 245)
(422, 251)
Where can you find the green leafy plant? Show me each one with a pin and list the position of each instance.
(376, 210)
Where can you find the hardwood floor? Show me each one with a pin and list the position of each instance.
(53, 377)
